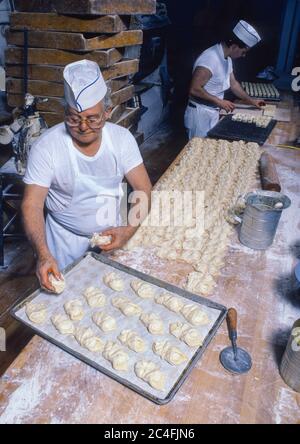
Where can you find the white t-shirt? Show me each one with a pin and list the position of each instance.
(213, 59)
(49, 163)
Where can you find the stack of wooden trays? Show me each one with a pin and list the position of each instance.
(96, 30)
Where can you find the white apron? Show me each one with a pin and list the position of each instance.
(200, 120)
(95, 206)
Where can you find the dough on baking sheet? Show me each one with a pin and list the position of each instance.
(149, 372)
(74, 309)
(186, 333)
(104, 321)
(127, 307)
(87, 339)
(194, 315)
(36, 313)
(143, 289)
(113, 281)
(171, 302)
(153, 323)
(58, 284)
(167, 351)
(63, 324)
(132, 340)
(94, 296)
(116, 355)
(98, 240)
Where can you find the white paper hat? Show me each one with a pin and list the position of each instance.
(84, 85)
(246, 33)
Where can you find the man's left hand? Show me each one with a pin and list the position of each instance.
(120, 235)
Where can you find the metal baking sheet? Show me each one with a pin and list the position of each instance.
(228, 129)
(89, 271)
(269, 86)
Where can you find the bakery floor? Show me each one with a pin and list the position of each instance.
(18, 275)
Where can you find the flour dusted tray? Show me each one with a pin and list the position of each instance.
(228, 129)
(89, 271)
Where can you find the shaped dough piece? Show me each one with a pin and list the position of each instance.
(153, 323)
(126, 307)
(132, 340)
(169, 352)
(142, 289)
(116, 355)
(97, 240)
(170, 302)
(36, 313)
(58, 284)
(63, 324)
(194, 315)
(113, 281)
(149, 372)
(87, 339)
(186, 333)
(94, 296)
(104, 321)
(74, 309)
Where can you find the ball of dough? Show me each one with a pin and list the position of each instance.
(143, 289)
(195, 315)
(132, 340)
(126, 307)
(149, 372)
(169, 352)
(113, 281)
(104, 321)
(94, 296)
(74, 309)
(63, 324)
(153, 323)
(87, 339)
(116, 355)
(58, 284)
(98, 240)
(185, 333)
(36, 313)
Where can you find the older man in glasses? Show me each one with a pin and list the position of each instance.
(77, 168)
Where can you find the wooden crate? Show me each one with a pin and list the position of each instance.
(90, 7)
(75, 41)
(54, 22)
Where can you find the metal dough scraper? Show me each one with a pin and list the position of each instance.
(234, 359)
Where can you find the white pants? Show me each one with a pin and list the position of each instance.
(198, 121)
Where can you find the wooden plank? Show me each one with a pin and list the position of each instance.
(56, 104)
(130, 117)
(52, 118)
(55, 22)
(94, 7)
(54, 73)
(35, 87)
(117, 84)
(116, 113)
(75, 41)
(38, 56)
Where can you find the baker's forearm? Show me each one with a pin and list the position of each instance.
(34, 224)
(237, 90)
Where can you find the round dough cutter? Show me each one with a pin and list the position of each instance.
(234, 359)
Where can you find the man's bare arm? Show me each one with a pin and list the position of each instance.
(237, 89)
(200, 78)
(139, 180)
(34, 224)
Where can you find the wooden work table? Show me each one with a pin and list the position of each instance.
(47, 385)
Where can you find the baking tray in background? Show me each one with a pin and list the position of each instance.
(78, 277)
(229, 129)
(262, 97)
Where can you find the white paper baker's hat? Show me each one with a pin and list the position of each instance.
(246, 33)
(84, 85)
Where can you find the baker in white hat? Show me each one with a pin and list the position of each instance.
(77, 168)
(213, 75)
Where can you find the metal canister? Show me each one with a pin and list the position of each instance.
(290, 363)
(261, 217)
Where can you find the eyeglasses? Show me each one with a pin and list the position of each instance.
(94, 122)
